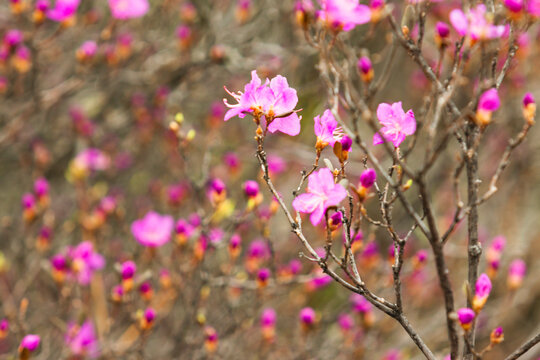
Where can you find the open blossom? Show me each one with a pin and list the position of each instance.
(397, 124)
(476, 24)
(343, 14)
(322, 192)
(82, 340)
(63, 10)
(85, 261)
(128, 9)
(268, 102)
(482, 290)
(326, 130)
(153, 230)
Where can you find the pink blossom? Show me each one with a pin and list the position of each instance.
(269, 101)
(396, 123)
(533, 7)
(153, 230)
(476, 24)
(345, 322)
(343, 14)
(63, 10)
(13, 38)
(360, 304)
(92, 159)
(326, 130)
(322, 192)
(82, 341)
(85, 261)
(276, 164)
(128, 9)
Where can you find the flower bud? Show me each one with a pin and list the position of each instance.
(147, 319)
(442, 30)
(28, 345)
(482, 290)
(211, 341)
(466, 317)
(529, 108)
(235, 246)
(335, 221)
(366, 69)
(307, 318)
(4, 328)
(488, 103)
(268, 324)
(146, 291)
(497, 335)
(263, 275)
(367, 178)
(516, 273)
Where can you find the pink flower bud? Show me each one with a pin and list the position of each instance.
(128, 269)
(268, 317)
(28, 201)
(364, 65)
(29, 343)
(41, 187)
(516, 273)
(368, 177)
(13, 38)
(489, 100)
(528, 99)
(497, 335)
(251, 188)
(345, 322)
(307, 316)
(149, 315)
(514, 6)
(466, 317)
(346, 143)
(482, 290)
(443, 30)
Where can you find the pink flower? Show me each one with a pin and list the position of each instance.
(345, 322)
(85, 261)
(533, 7)
(82, 341)
(276, 164)
(153, 230)
(343, 14)
(92, 159)
(322, 192)
(13, 38)
(476, 24)
(63, 10)
(396, 123)
(360, 304)
(128, 9)
(482, 290)
(326, 130)
(269, 102)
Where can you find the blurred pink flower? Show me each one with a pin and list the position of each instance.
(153, 230)
(476, 24)
(82, 341)
(85, 261)
(322, 192)
(343, 14)
(92, 159)
(307, 316)
(270, 100)
(128, 9)
(396, 123)
(516, 273)
(63, 10)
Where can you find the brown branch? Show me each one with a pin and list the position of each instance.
(524, 348)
